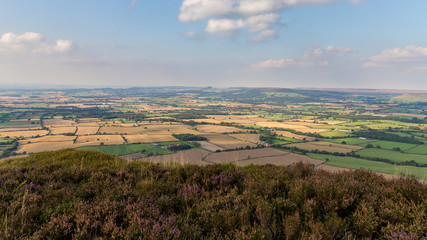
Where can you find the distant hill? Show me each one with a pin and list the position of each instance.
(72, 194)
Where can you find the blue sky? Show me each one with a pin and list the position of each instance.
(221, 43)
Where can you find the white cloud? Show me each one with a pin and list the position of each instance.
(254, 24)
(192, 10)
(312, 57)
(33, 42)
(411, 55)
(264, 35)
(231, 15)
(271, 63)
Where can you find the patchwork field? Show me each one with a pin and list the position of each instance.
(62, 130)
(326, 146)
(356, 163)
(283, 160)
(226, 141)
(25, 134)
(394, 156)
(49, 138)
(44, 146)
(295, 127)
(295, 136)
(126, 149)
(234, 156)
(98, 139)
(58, 123)
(209, 146)
(192, 156)
(253, 138)
(218, 129)
(150, 129)
(149, 138)
(86, 130)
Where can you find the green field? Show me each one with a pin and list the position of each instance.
(390, 145)
(125, 149)
(351, 141)
(356, 163)
(335, 134)
(420, 149)
(392, 155)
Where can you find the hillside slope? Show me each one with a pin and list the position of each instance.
(71, 194)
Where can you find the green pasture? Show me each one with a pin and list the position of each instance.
(356, 163)
(392, 155)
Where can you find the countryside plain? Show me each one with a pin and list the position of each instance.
(384, 131)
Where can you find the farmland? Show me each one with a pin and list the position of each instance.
(238, 125)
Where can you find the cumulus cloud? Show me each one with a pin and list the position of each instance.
(312, 57)
(411, 55)
(33, 42)
(225, 16)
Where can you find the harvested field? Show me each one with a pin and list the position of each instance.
(218, 129)
(86, 131)
(226, 142)
(192, 156)
(62, 130)
(18, 129)
(326, 146)
(295, 136)
(209, 146)
(49, 138)
(58, 123)
(149, 138)
(253, 138)
(97, 139)
(352, 147)
(150, 129)
(44, 146)
(25, 134)
(234, 156)
(282, 160)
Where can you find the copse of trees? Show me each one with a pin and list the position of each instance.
(189, 137)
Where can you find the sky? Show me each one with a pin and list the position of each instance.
(219, 43)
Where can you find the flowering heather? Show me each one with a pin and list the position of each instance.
(72, 194)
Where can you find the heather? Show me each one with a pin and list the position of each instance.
(72, 194)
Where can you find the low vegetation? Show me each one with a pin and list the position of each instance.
(72, 194)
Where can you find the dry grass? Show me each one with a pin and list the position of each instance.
(253, 138)
(97, 139)
(62, 130)
(326, 146)
(149, 138)
(209, 146)
(218, 129)
(192, 156)
(86, 131)
(295, 136)
(25, 134)
(226, 142)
